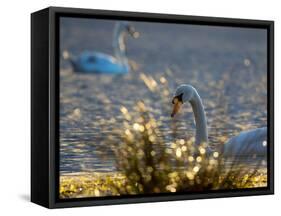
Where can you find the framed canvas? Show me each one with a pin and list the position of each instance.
(138, 107)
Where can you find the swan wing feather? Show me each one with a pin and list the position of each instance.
(247, 143)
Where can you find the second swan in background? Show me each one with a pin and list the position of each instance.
(101, 63)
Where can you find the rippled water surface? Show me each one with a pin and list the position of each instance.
(226, 65)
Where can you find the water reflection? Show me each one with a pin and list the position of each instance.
(90, 112)
(226, 65)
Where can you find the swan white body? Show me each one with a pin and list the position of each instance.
(248, 143)
(101, 63)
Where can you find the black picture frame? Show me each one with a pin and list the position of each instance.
(45, 105)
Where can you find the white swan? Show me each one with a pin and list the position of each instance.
(93, 62)
(248, 143)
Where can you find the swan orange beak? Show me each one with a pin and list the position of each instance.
(177, 105)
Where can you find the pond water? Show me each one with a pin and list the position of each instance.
(226, 65)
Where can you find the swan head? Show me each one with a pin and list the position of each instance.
(182, 94)
(130, 29)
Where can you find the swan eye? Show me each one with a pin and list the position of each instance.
(179, 97)
(129, 29)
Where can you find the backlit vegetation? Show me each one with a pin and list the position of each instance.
(146, 164)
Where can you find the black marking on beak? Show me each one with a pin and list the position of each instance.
(179, 97)
(132, 31)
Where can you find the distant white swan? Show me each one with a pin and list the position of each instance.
(247, 143)
(101, 63)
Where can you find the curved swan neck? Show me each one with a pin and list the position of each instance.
(119, 44)
(200, 119)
